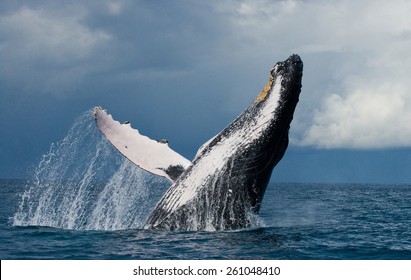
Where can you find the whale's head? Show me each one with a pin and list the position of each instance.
(267, 123)
(282, 90)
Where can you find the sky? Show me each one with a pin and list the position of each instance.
(183, 70)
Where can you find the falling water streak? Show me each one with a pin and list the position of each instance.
(82, 183)
(75, 211)
(112, 209)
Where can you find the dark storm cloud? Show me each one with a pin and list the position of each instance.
(184, 69)
(144, 62)
(158, 35)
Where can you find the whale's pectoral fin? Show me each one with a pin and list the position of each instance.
(151, 155)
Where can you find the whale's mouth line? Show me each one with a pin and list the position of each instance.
(280, 73)
(264, 93)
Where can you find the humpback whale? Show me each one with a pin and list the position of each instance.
(222, 188)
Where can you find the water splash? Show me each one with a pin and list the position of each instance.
(83, 183)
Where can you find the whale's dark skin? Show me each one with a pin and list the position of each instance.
(225, 185)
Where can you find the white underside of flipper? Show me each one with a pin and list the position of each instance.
(154, 156)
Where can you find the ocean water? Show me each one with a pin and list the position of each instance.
(302, 221)
(85, 201)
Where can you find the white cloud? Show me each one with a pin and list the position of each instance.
(40, 33)
(356, 86)
(46, 49)
(115, 8)
(369, 105)
(374, 117)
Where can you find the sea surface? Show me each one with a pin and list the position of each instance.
(301, 221)
(85, 201)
